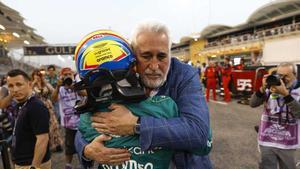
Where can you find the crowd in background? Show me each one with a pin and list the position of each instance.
(254, 35)
(55, 92)
(216, 76)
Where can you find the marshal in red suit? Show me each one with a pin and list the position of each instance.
(211, 80)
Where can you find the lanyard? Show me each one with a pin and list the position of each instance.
(281, 106)
(20, 111)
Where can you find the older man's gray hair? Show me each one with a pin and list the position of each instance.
(150, 26)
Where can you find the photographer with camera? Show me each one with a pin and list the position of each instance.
(66, 96)
(278, 131)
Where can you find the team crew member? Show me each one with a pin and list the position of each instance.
(240, 66)
(219, 74)
(211, 80)
(226, 76)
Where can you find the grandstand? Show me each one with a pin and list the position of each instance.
(8, 63)
(181, 51)
(14, 34)
(269, 34)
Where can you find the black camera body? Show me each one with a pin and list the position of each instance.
(67, 81)
(273, 80)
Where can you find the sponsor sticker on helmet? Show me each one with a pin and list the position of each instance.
(105, 49)
(101, 52)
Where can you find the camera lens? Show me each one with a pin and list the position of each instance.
(68, 81)
(273, 80)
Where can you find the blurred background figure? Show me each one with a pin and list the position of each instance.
(226, 76)
(198, 66)
(5, 98)
(256, 59)
(203, 80)
(6, 102)
(43, 91)
(211, 80)
(52, 78)
(5, 121)
(67, 97)
(3, 81)
(240, 66)
(219, 74)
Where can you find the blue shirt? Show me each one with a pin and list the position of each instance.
(183, 134)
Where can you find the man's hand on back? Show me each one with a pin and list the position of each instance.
(111, 156)
(120, 121)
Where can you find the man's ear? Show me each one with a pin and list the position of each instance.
(134, 67)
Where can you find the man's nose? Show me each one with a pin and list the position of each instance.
(154, 64)
(14, 89)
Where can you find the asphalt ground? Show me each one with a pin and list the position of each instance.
(234, 137)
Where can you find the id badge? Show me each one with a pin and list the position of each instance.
(275, 110)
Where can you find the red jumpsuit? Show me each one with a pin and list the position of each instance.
(239, 67)
(219, 71)
(211, 81)
(226, 75)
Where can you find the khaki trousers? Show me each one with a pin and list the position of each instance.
(45, 165)
(272, 157)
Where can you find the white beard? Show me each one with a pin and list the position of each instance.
(153, 84)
